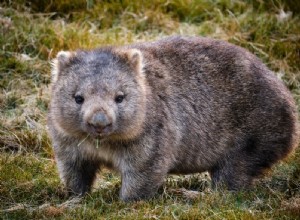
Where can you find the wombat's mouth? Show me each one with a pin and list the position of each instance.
(99, 132)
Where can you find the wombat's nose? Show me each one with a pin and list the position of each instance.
(99, 121)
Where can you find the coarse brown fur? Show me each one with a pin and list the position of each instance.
(178, 105)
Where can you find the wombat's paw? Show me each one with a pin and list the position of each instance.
(76, 192)
(136, 197)
(129, 198)
(72, 194)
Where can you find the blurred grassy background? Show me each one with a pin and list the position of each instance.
(33, 31)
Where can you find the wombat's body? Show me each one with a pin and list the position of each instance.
(179, 105)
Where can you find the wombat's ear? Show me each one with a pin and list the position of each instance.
(134, 58)
(62, 59)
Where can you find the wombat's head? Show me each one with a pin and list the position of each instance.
(101, 93)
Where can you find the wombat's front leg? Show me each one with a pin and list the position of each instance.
(76, 171)
(138, 185)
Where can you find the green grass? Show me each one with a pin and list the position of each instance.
(32, 32)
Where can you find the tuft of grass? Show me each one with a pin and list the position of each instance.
(32, 32)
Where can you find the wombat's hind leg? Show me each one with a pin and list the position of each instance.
(237, 169)
(251, 159)
(225, 175)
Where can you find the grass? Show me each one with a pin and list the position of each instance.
(32, 32)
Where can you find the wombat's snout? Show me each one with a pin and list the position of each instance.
(99, 122)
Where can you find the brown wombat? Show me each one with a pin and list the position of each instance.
(178, 105)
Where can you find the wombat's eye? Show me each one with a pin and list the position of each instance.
(119, 98)
(79, 99)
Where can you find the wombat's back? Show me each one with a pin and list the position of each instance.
(219, 101)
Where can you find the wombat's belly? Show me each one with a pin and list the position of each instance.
(197, 158)
(188, 169)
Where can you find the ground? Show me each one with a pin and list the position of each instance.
(32, 32)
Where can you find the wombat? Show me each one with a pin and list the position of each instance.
(179, 105)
